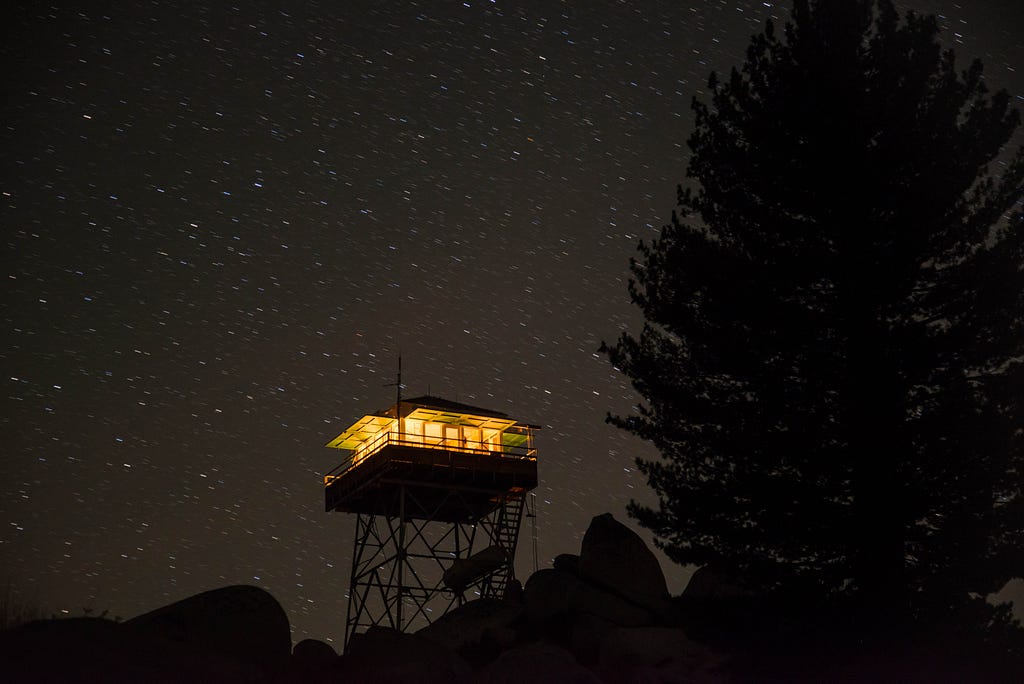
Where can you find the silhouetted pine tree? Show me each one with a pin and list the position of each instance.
(833, 356)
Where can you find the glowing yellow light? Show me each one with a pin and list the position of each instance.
(364, 429)
(435, 429)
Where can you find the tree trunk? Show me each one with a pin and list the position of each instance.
(875, 412)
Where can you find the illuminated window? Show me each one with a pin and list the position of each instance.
(432, 434)
(436, 429)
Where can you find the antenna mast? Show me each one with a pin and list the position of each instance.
(398, 389)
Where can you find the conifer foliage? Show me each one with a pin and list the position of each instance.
(832, 362)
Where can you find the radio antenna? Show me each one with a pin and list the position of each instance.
(397, 384)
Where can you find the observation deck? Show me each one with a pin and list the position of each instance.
(459, 462)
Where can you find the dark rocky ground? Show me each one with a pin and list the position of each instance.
(604, 615)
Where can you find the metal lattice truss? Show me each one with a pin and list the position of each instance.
(410, 569)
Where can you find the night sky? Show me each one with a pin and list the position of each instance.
(222, 226)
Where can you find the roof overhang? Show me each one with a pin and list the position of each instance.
(453, 418)
(364, 429)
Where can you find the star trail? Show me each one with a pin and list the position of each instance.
(222, 225)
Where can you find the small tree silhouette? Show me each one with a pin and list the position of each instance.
(15, 610)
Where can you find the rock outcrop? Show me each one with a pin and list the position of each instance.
(240, 623)
(615, 557)
(599, 616)
(470, 625)
(384, 655)
(97, 650)
(312, 661)
(707, 583)
(655, 654)
(602, 615)
(551, 593)
(536, 662)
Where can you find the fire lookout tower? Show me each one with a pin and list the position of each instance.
(438, 489)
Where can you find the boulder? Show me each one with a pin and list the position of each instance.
(468, 624)
(383, 655)
(243, 624)
(656, 654)
(514, 593)
(85, 650)
(312, 654)
(594, 600)
(586, 635)
(709, 583)
(313, 662)
(615, 557)
(547, 594)
(552, 594)
(567, 562)
(540, 663)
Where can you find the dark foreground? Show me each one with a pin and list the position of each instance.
(604, 615)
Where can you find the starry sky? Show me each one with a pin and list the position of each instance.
(221, 225)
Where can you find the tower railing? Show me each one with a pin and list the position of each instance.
(407, 439)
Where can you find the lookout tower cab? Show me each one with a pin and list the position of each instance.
(438, 489)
